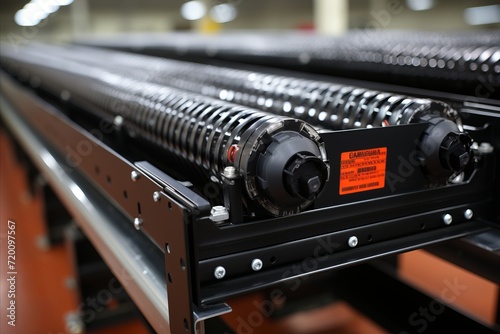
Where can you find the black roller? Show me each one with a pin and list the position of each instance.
(325, 105)
(466, 62)
(197, 130)
(152, 95)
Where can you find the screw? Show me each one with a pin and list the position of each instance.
(71, 283)
(43, 242)
(137, 223)
(134, 175)
(257, 264)
(353, 241)
(156, 196)
(65, 95)
(74, 324)
(230, 172)
(447, 219)
(459, 178)
(468, 214)
(118, 121)
(220, 272)
(219, 213)
(485, 148)
(304, 58)
(74, 328)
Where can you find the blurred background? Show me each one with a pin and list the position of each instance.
(69, 19)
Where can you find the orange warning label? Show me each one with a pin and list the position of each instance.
(362, 170)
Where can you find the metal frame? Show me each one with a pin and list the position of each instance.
(176, 219)
(124, 252)
(161, 216)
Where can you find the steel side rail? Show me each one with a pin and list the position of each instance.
(116, 243)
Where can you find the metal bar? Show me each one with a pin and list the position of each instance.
(332, 259)
(127, 255)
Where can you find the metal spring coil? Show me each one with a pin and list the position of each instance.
(191, 127)
(323, 104)
(468, 61)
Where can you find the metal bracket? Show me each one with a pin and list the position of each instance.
(166, 221)
(169, 213)
(184, 316)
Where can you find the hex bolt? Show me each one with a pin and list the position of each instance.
(353, 241)
(220, 272)
(468, 214)
(219, 213)
(137, 223)
(257, 264)
(156, 196)
(447, 219)
(230, 172)
(134, 175)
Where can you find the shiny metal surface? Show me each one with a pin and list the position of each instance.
(193, 130)
(320, 103)
(125, 254)
(460, 61)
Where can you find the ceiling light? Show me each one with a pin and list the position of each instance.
(34, 11)
(25, 19)
(223, 13)
(482, 15)
(64, 2)
(419, 5)
(193, 10)
(48, 6)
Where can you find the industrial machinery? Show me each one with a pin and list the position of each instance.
(465, 62)
(244, 176)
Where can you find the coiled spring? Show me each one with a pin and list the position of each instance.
(467, 62)
(196, 130)
(323, 104)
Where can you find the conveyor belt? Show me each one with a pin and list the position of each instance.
(200, 132)
(458, 62)
(282, 160)
(323, 104)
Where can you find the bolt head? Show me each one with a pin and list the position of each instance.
(134, 175)
(485, 148)
(447, 219)
(71, 283)
(353, 241)
(257, 264)
(74, 324)
(468, 214)
(220, 272)
(219, 213)
(156, 196)
(74, 328)
(230, 172)
(137, 223)
(118, 121)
